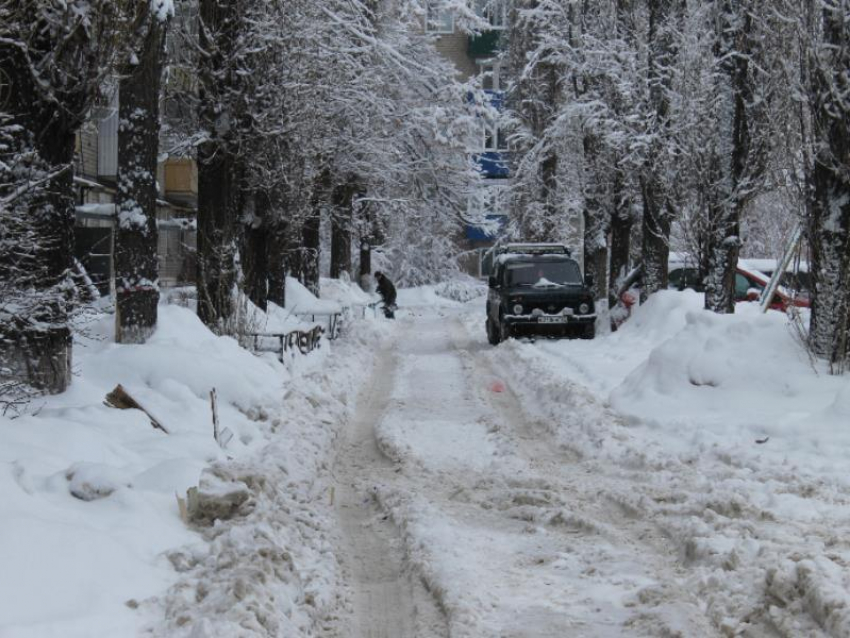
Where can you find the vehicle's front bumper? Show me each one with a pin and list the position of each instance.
(518, 325)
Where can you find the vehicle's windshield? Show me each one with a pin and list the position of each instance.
(542, 272)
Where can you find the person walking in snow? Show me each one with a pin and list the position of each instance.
(387, 292)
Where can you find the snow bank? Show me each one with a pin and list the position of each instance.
(302, 301)
(89, 506)
(722, 432)
(91, 536)
(344, 292)
(426, 296)
(730, 380)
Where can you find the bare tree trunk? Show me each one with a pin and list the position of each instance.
(136, 273)
(621, 231)
(341, 222)
(217, 185)
(219, 178)
(305, 259)
(254, 252)
(729, 169)
(829, 186)
(656, 208)
(365, 263)
(596, 224)
(548, 177)
(311, 251)
(35, 338)
(276, 261)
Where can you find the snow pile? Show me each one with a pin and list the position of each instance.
(90, 524)
(303, 302)
(461, 290)
(344, 292)
(730, 380)
(721, 432)
(423, 296)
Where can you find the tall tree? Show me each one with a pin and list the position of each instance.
(739, 157)
(827, 49)
(342, 220)
(55, 56)
(135, 252)
(658, 210)
(221, 170)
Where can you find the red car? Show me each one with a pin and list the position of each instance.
(749, 284)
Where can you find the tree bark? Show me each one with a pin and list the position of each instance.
(829, 187)
(311, 252)
(219, 169)
(276, 261)
(135, 253)
(655, 244)
(729, 165)
(596, 223)
(365, 264)
(46, 108)
(621, 232)
(254, 253)
(341, 222)
(305, 259)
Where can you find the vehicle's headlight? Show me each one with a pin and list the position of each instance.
(518, 309)
(537, 312)
(584, 308)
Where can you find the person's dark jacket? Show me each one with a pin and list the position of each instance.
(386, 290)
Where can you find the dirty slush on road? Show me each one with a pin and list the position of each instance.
(460, 516)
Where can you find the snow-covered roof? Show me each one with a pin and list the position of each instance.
(769, 265)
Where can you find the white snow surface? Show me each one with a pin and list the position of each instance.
(686, 475)
(91, 538)
(301, 301)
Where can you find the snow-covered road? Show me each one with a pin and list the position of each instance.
(684, 476)
(513, 534)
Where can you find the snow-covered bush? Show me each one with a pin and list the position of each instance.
(461, 290)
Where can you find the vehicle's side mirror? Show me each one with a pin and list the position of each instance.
(588, 280)
(492, 281)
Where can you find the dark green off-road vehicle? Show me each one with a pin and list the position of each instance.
(538, 290)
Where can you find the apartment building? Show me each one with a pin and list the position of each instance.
(95, 169)
(478, 55)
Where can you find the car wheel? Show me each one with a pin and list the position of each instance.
(589, 331)
(504, 330)
(492, 333)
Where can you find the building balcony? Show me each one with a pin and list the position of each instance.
(493, 164)
(494, 229)
(181, 181)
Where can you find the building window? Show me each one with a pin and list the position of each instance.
(493, 11)
(494, 138)
(439, 20)
(490, 76)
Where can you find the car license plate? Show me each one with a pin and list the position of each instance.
(551, 320)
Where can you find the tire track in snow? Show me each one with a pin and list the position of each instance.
(502, 524)
(592, 503)
(389, 600)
